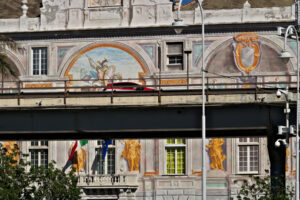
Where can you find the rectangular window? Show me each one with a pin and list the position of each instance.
(175, 156)
(39, 153)
(248, 155)
(175, 56)
(39, 61)
(107, 165)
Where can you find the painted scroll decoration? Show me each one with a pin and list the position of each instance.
(216, 153)
(247, 52)
(131, 153)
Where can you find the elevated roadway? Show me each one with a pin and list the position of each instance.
(158, 114)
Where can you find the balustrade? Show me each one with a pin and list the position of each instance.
(107, 180)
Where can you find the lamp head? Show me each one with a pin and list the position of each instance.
(280, 31)
(285, 56)
(277, 144)
(278, 93)
(178, 25)
(284, 142)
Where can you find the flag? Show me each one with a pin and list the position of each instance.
(105, 147)
(75, 147)
(184, 2)
(188, 4)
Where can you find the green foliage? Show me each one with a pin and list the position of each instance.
(18, 180)
(257, 188)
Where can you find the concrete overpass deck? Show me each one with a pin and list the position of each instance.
(143, 98)
(155, 114)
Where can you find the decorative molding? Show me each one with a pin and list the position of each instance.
(198, 173)
(101, 3)
(148, 174)
(173, 82)
(38, 85)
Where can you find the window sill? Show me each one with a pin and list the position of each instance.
(247, 173)
(181, 175)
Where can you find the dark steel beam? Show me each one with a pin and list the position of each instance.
(139, 122)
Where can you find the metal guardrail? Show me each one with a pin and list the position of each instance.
(190, 85)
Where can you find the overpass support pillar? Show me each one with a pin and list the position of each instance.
(277, 159)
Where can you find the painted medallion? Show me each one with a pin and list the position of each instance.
(247, 52)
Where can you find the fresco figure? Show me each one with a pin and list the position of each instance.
(286, 161)
(79, 158)
(131, 153)
(105, 73)
(12, 147)
(216, 153)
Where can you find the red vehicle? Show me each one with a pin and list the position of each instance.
(126, 86)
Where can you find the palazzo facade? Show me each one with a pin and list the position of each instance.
(97, 42)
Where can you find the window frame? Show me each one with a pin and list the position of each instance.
(176, 147)
(248, 144)
(97, 153)
(40, 69)
(39, 148)
(179, 65)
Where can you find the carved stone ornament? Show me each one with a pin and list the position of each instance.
(96, 3)
(216, 153)
(131, 153)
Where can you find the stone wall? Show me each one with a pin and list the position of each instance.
(61, 15)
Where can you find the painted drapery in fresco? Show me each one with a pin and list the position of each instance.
(11, 147)
(216, 153)
(131, 153)
(79, 159)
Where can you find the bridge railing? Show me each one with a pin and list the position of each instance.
(185, 84)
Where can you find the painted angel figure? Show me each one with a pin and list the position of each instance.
(104, 73)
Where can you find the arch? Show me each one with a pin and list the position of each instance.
(220, 58)
(65, 72)
(16, 62)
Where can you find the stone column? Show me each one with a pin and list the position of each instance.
(150, 157)
(75, 14)
(23, 18)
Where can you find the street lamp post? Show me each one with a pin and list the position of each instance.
(286, 55)
(178, 23)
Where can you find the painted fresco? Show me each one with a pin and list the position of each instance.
(104, 64)
(247, 53)
(246, 57)
(96, 3)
